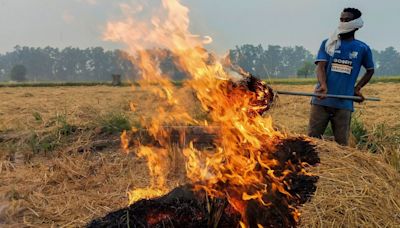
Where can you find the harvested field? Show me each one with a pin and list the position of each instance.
(354, 189)
(86, 175)
(82, 103)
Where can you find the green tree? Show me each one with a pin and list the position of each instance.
(388, 62)
(306, 70)
(18, 73)
(250, 58)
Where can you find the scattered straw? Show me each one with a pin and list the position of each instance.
(69, 190)
(355, 189)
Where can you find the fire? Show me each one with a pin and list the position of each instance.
(240, 168)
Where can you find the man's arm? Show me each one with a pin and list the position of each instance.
(321, 75)
(364, 80)
(368, 63)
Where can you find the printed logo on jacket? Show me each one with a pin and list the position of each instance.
(342, 66)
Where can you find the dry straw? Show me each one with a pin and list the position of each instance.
(69, 190)
(355, 189)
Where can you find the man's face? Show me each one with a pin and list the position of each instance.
(346, 17)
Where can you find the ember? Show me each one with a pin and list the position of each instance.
(261, 94)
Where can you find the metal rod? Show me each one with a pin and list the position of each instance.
(354, 98)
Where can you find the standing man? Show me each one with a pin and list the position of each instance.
(339, 61)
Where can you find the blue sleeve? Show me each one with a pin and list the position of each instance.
(367, 60)
(322, 54)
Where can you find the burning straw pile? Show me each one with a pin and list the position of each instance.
(247, 173)
(186, 207)
(256, 175)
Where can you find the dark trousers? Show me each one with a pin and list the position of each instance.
(340, 121)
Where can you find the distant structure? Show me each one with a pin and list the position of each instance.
(116, 80)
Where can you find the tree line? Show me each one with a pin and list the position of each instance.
(68, 64)
(97, 64)
(277, 61)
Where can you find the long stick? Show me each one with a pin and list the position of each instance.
(354, 98)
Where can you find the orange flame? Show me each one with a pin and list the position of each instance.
(231, 171)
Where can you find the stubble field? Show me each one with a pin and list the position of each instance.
(61, 162)
(82, 104)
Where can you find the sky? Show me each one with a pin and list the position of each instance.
(80, 23)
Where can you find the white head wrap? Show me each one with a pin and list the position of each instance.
(344, 27)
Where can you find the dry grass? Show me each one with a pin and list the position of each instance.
(80, 104)
(291, 112)
(67, 188)
(355, 189)
(83, 103)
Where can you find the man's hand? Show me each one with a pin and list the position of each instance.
(321, 75)
(364, 80)
(357, 92)
(322, 90)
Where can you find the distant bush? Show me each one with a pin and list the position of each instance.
(18, 73)
(306, 70)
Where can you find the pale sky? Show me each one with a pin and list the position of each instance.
(79, 23)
